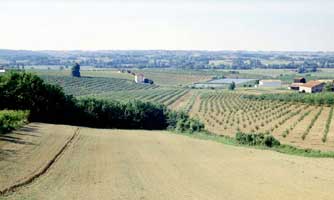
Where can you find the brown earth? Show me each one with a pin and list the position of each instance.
(124, 164)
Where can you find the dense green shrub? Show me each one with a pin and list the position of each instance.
(48, 103)
(256, 139)
(10, 120)
(180, 121)
(113, 114)
(24, 91)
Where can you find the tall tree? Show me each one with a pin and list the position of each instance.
(231, 86)
(76, 70)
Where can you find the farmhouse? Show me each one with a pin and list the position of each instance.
(312, 87)
(139, 78)
(270, 83)
(2, 70)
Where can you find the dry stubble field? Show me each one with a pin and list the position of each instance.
(123, 164)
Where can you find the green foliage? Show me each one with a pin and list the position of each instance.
(10, 120)
(329, 87)
(76, 70)
(130, 115)
(181, 122)
(256, 139)
(24, 91)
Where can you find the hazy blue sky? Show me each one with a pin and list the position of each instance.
(182, 24)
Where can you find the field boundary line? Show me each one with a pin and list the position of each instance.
(43, 170)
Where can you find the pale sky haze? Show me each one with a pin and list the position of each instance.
(284, 25)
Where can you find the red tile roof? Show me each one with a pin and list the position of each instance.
(312, 84)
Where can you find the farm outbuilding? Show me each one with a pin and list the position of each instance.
(270, 83)
(295, 86)
(312, 87)
(299, 80)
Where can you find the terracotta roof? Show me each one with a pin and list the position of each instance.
(326, 81)
(312, 84)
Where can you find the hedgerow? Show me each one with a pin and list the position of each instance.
(324, 98)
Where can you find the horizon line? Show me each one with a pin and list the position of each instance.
(200, 50)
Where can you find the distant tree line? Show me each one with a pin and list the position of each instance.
(170, 59)
(48, 103)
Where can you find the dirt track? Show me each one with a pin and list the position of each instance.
(121, 164)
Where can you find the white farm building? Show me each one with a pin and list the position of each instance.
(139, 78)
(270, 83)
(2, 70)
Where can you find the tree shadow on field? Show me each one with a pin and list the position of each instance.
(28, 130)
(12, 139)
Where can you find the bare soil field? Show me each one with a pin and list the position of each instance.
(129, 164)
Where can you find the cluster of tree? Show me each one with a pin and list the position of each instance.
(48, 103)
(303, 69)
(324, 98)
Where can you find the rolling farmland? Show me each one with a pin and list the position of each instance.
(224, 113)
(302, 125)
(83, 163)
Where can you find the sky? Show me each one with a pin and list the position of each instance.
(266, 25)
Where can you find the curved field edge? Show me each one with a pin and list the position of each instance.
(283, 148)
(30, 179)
(28, 153)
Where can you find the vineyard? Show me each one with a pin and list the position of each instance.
(94, 85)
(303, 125)
(159, 95)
